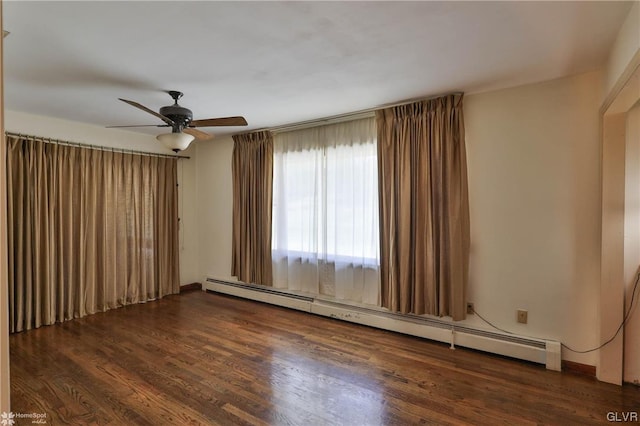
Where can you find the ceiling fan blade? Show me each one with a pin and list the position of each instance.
(145, 109)
(198, 134)
(222, 121)
(139, 125)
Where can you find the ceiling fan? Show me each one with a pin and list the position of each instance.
(183, 126)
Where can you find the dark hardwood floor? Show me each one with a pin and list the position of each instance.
(200, 358)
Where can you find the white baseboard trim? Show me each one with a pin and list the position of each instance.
(540, 351)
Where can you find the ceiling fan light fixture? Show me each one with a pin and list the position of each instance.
(175, 141)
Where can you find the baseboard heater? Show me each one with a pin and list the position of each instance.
(540, 351)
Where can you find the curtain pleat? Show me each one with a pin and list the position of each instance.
(89, 230)
(424, 210)
(252, 169)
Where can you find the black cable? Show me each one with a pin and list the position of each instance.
(624, 321)
(496, 327)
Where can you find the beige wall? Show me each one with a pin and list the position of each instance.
(534, 158)
(534, 193)
(631, 370)
(215, 198)
(187, 210)
(85, 133)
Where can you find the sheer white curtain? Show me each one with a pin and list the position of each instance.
(325, 211)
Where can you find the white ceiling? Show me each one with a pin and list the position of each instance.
(284, 62)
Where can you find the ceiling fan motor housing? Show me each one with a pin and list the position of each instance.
(179, 115)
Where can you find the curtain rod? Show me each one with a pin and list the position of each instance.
(98, 147)
(365, 113)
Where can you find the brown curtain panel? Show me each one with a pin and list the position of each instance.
(252, 169)
(424, 208)
(88, 230)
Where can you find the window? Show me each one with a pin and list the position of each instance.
(325, 211)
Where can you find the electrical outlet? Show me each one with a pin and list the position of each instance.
(522, 316)
(470, 309)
